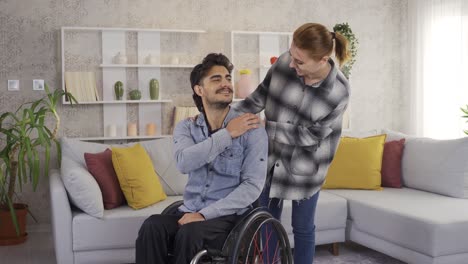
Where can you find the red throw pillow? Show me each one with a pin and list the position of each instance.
(391, 163)
(100, 166)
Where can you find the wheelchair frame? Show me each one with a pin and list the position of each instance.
(245, 231)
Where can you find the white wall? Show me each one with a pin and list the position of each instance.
(29, 39)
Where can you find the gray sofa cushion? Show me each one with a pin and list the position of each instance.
(118, 228)
(83, 189)
(162, 154)
(437, 166)
(331, 213)
(431, 224)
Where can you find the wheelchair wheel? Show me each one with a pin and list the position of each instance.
(251, 247)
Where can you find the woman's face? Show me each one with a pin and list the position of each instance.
(303, 64)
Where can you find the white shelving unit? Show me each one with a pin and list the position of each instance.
(269, 45)
(121, 138)
(145, 66)
(125, 102)
(114, 41)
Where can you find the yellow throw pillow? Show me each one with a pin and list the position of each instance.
(137, 178)
(357, 164)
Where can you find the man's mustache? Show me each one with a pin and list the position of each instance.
(223, 89)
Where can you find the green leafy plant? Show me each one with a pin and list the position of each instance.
(345, 30)
(465, 112)
(24, 136)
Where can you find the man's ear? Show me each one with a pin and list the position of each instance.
(325, 59)
(198, 90)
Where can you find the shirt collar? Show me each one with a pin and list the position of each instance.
(331, 75)
(230, 115)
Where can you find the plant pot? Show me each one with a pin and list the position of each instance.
(8, 234)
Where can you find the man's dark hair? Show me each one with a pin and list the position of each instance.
(201, 70)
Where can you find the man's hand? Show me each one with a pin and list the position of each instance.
(191, 217)
(241, 124)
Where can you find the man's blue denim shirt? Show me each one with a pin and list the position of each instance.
(225, 175)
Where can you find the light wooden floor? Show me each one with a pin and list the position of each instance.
(39, 249)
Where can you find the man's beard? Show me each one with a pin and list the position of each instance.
(220, 105)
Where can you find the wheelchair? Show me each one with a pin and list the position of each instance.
(244, 244)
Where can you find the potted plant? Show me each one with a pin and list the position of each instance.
(24, 138)
(345, 30)
(465, 112)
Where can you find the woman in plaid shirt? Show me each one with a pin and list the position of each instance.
(304, 95)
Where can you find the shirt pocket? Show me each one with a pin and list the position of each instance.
(230, 161)
(303, 161)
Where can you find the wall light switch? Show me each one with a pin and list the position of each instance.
(13, 85)
(38, 85)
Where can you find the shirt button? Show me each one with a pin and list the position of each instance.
(289, 122)
(277, 164)
(203, 200)
(207, 185)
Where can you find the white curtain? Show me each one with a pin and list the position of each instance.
(438, 34)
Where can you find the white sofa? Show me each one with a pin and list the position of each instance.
(423, 222)
(110, 238)
(81, 238)
(408, 224)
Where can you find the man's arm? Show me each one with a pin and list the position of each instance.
(189, 155)
(253, 174)
(299, 135)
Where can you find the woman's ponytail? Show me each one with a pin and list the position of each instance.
(341, 48)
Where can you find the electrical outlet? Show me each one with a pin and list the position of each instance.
(38, 85)
(13, 85)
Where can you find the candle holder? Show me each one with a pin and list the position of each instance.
(150, 129)
(132, 130)
(111, 130)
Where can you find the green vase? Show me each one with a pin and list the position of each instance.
(135, 94)
(154, 89)
(119, 91)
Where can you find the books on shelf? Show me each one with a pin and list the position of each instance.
(82, 85)
(183, 112)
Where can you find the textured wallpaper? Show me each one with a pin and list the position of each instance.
(30, 49)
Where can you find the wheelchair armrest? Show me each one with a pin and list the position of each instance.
(172, 208)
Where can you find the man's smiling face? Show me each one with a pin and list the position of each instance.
(216, 88)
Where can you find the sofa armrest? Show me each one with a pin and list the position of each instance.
(61, 219)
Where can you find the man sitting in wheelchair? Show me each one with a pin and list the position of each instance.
(224, 154)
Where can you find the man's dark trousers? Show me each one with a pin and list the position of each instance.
(161, 234)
